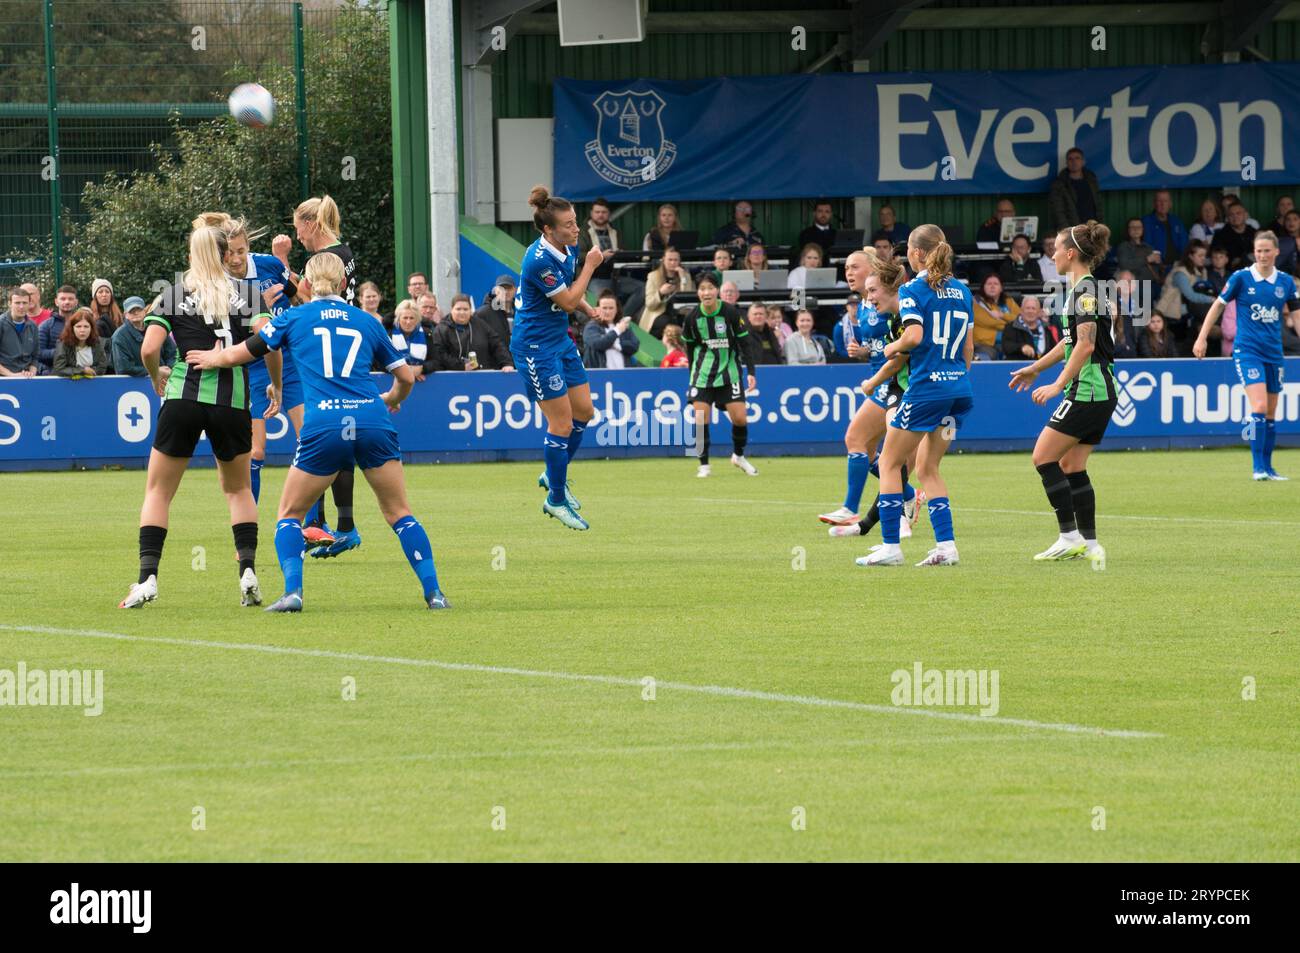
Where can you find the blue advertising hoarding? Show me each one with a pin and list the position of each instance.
(930, 133)
(55, 423)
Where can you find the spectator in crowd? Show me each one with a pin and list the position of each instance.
(65, 303)
(820, 232)
(884, 248)
(676, 351)
(19, 338)
(608, 339)
(1218, 271)
(1284, 204)
(755, 261)
(429, 310)
(1237, 238)
(767, 349)
(1126, 307)
(1187, 296)
(890, 227)
(1228, 201)
(459, 344)
(1135, 255)
(35, 313)
(1030, 335)
(1075, 196)
(417, 283)
(991, 229)
(664, 282)
(1156, 340)
(599, 233)
(1163, 230)
(729, 292)
(1288, 243)
(723, 260)
(1018, 267)
(1207, 223)
(80, 352)
(740, 231)
(1046, 263)
(370, 297)
(800, 347)
(850, 315)
(498, 312)
(776, 321)
(812, 256)
(413, 336)
(104, 310)
(660, 237)
(125, 345)
(994, 310)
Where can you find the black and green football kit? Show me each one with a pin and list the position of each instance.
(717, 343)
(888, 394)
(214, 400)
(1090, 398)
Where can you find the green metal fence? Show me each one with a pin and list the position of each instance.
(92, 86)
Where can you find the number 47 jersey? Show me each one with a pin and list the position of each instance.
(333, 346)
(937, 365)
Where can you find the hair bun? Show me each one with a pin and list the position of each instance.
(539, 196)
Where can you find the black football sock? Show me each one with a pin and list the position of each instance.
(343, 484)
(1085, 503)
(739, 437)
(704, 447)
(245, 544)
(151, 547)
(1059, 495)
(868, 523)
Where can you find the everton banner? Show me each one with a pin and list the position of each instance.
(844, 134)
(53, 423)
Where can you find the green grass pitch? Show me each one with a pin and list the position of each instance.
(500, 754)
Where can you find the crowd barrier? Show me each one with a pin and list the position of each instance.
(57, 423)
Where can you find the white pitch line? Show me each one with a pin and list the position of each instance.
(716, 690)
(1045, 511)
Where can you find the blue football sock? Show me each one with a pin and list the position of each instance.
(313, 515)
(1258, 434)
(575, 438)
(941, 519)
(890, 506)
(859, 468)
(556, 450)
(419, 553)
(1270, 439)
(288, 549)
(909, 492)
(255, 473)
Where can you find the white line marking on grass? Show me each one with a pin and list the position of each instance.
(1046, 511)
(716, 690)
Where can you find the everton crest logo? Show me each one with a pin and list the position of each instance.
(630, 148)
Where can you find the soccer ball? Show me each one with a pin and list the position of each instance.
(252, 105)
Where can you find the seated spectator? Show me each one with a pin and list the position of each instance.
(723, 260)
(767, 349)
(459, 344)
(369, 298)
(429, 310)
(1047, 264)
(846, 323)
(776, 321)
(891, 229)
(104, 310)
(755, 261)
(1030, 335)
(1187, 296)
(126, 341)
(812, 256)
(1018, 267)
(729, 293)
(20, 345)
(800, 347)
(1156, 340)
(660, 237)
(1284, 204)
(1125, 309)
(740, 231)
(1207, 223)
(65, 303)
(820, 232)
(884, 249)
(1228, 201)
(35, 313)
(994, 310)
(1218, 271)
(991, 229)
(676, 351)
(1135, 255)
(1162, 229)
(498, 312)
(80, 352)
(599, 233)
(608, 339)
(413, 336)
(1288, 243)
(664, 282)
(1237, 238)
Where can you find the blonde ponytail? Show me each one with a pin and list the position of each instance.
(206, 278)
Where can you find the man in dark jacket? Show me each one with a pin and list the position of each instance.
(498, 312)
(19, 338)
(1075, 195)
(1031, 335)
(125, 343)
(65, 303)
(461, 344)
